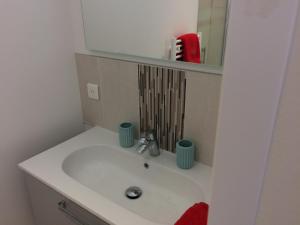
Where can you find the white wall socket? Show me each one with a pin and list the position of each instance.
(93, 91)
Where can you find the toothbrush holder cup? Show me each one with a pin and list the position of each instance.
(126, 134)
(185, 154)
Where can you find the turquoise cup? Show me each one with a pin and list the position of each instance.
(126, 134)
(185, 154)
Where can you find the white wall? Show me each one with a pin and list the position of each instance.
(39, 94)
(280, 202)
(259, 38)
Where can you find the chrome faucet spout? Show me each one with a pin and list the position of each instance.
(142, 149)
(149, 143)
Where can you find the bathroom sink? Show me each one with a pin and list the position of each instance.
(94, 172)
(109, 172)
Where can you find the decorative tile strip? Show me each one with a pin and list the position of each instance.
(162, 103)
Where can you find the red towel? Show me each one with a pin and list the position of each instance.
(196, 215)
(191, 48)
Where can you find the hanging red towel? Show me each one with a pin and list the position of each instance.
(196, 215)
(191, 48)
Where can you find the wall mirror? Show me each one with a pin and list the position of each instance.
(192, 31)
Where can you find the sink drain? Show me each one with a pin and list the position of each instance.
(133, 192)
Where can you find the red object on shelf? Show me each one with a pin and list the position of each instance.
(191, 47)
(196, 215)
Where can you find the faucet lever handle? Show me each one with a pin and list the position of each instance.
(143, 140)
(151, 135)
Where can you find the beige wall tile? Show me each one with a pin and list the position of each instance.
(119, 100)
(119, 92)
(201, 112)
(87, 72)
(118, 88)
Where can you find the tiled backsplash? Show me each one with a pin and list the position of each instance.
(119, 100)
(162, 103)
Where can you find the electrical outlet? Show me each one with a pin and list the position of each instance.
(93, 91)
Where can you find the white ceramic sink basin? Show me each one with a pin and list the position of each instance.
(109, 172)
(93, 171)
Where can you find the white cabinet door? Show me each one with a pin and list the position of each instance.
(47, 211)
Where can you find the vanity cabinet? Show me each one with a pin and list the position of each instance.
(52, 208)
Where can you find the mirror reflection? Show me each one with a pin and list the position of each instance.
(212, 22)
(191, 31)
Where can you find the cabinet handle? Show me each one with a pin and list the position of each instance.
(62, 206)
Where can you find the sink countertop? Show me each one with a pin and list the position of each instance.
(47, 168)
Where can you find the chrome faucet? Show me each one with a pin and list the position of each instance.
(149, 142)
